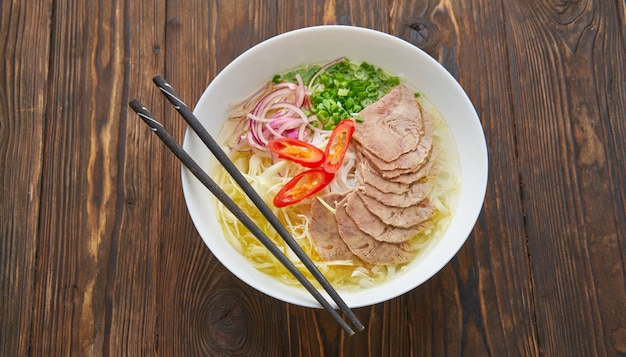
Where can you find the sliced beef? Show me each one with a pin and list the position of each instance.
(402, 217)
(398, 184)
(390, 205)
(406, 162)
(369, 174)
(421, 173)
(324, 233)
(372, 225)
(417, 192)
(392, 126)
(366, 247)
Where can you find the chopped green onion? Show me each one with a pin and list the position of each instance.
(367, 101)
(322, 115)
(342, 90)
(360, 74)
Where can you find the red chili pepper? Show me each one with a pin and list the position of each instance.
(338, 145)
(302, 186)
(298, 151)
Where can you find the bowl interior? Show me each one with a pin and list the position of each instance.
(319, 45)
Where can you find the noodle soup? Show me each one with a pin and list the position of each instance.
(292, 114)
(319, 45)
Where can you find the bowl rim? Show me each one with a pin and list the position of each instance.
(299, 296)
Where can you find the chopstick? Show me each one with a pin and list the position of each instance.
(197, 171)
(230, 167)
(201, 175)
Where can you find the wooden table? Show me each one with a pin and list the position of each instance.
(98, 255)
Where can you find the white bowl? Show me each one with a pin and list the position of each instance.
(319, 45)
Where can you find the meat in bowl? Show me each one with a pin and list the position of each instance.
(377, 218)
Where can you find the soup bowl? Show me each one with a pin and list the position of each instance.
(318, 45)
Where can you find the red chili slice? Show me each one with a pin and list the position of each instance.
(298, 151)
(338, 145)
(302, 186)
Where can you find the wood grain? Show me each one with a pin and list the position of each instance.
(23, 96)
(98, 255)
(565, 171)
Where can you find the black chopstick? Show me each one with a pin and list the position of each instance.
(230, 167)
(201, 175)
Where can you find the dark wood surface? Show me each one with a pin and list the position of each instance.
(98, 255)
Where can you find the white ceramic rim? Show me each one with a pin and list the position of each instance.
(415, 67)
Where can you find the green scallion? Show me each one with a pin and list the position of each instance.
(342, 90)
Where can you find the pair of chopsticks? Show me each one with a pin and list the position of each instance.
(230, 167)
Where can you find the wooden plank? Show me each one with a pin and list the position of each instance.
(567, 120)
(134, 263)
(218, 314)
(467, 308)
(79, 194)
(24, 31)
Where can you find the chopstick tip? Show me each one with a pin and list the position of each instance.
(135, 104)
(145, 114)
(169, 92)
(160, 81)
